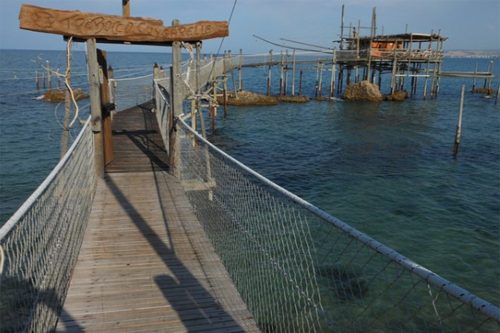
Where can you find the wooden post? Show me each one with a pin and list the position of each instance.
(224, 96)
(95, 106)
(177, 96)
(281, 73)
(67, 104)
(285, 82)
(293, 72)
(105, 107)
(300, 83)
(426, 79)
(269, 73)
(458, 133)
(341, 45)
(332, 77)
(490, 71)
(340, 79)
(49, 76)
(474, 80)
(320, 83)
(393, 76)
(316, 84)
(126, 8)
(498, 94)
(240, 83)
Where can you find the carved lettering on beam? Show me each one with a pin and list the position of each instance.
(115, 28)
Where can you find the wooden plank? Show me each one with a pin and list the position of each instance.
(115, 28)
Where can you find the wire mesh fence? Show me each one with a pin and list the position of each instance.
(301, 270)
(129, 92)
(41, 241)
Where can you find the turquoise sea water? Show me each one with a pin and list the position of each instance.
(385, 168)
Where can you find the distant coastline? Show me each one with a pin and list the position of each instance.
(489, 54)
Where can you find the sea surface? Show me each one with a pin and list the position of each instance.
(387, 168)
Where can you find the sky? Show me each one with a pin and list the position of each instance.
(469, 24)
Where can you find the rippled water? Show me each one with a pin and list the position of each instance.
(385, 168)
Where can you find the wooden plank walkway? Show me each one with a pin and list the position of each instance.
(145, 264)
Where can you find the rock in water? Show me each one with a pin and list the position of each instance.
(397, 96)
(363, 91)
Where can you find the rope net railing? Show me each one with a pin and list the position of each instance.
(40, 242)
(299, 269)
(129, 92)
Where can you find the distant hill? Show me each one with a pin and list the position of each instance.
(472, 54)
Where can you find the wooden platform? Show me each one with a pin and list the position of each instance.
(145, 264)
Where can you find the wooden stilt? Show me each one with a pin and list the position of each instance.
(95, 106)
(458, 133)
(269, 68)
(293, 73)
(300, 82)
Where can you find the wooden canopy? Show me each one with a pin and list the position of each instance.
(116, 29)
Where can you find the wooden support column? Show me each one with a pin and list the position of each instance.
(126, 8)
(458, 133)
(269, 73)
(177, 97)
(293, 73)
(95, 106)
(106, 107)
(332, 77)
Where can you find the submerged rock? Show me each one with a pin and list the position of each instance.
(57, 95)
(293, 99)
(363, 91)
(247, 98)
(397, 96)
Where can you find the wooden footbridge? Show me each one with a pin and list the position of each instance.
(145, 263)
(145, 226)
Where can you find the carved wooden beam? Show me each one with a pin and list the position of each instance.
(115, 28)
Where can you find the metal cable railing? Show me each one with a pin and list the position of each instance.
(41, 241)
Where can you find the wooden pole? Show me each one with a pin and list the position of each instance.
(341, 46)
(224, 96)
(126, 8)
(95, 106)
(240, 63)
(105, 107)
(37, 80)
(300, 82)
(293, 72)
(67, 104)
(320, 83)
(269, 73)
(285, 82)
(49, 76)
(332, 77)
(281, 73)
(497, 95)
(316, 84)
(490, 71)
(458, 133)
(177, 97)
(474, 80)
(393, 77)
